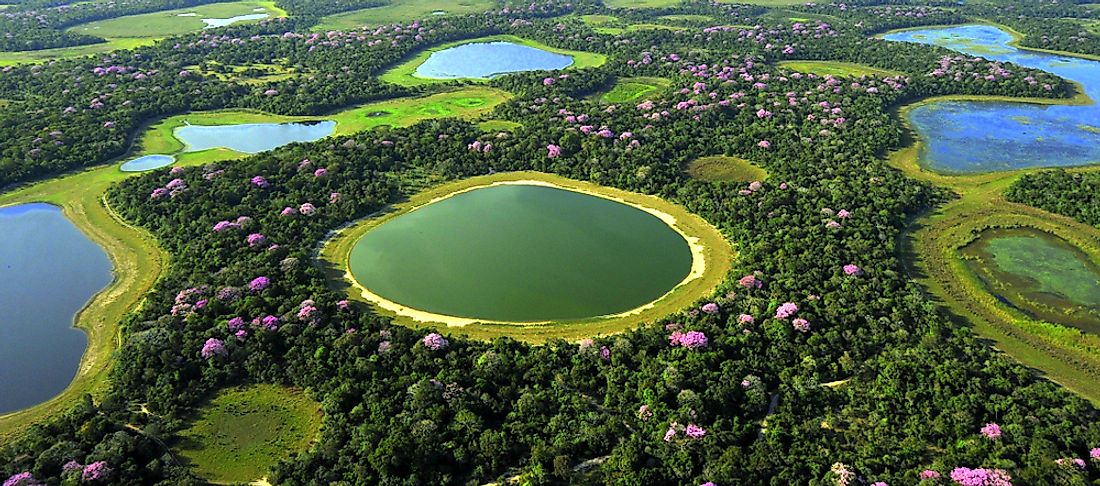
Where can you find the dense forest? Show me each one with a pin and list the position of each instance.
(817, 294)
(1074, 194)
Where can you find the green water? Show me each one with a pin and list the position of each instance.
(1040, 274)
(522, 253)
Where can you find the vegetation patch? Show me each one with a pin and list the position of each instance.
(242, 432)
(158, 25)
(251, 73)
(641, 3)
(628, 90)
(687, 18)
(835, 68)
(725, 169)
(401, 11)
(405, 73)
(494, 126)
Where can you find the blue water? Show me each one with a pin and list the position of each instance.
(974, 137)
(253, 137)
(48, 271)
(148, 162)
(488, 59)
(212, 23)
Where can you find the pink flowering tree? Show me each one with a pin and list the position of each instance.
(435, 342)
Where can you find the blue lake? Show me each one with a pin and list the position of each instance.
(969, 137)
(48, 272)
(253, 137)
(148, 162)
(488, 59)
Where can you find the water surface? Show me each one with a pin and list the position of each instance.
(522, 253)
(147, 162)
(1040, 274)
(970, 137)
(48, 272)
(488, 59)
(252, 137)
(212, 23)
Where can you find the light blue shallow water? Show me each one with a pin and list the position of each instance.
(974, 137)
(488, 59)
(252, 137)
(48, 271)
(148, 162)
(212, 23)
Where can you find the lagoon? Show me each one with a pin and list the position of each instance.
(252, 137)
(48, 272)
(522, 253)
(147, 162)
(1040, 274)
(488, 59)
(212, 23)
(973, 137)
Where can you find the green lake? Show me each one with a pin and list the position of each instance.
(1039, 274)
(522, 253)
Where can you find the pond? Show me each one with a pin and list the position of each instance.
(969, 137)
(522, 253)
(489, 59)
(212, 23)
(252, 137)
(48, 272)
(1040, 274)
(147, 162)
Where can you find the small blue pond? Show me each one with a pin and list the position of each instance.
(48, 272)
(253, 137)
(148, 162)
(969, 137)
(488, 59)
(212, 23)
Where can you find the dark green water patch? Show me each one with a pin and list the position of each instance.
(522, 253)
(1039, 274)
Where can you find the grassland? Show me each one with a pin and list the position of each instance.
(641, 3)
(932, 246)
(405, 73)
(725, 169)
(157, 25)
(716, 256)
(242, 432)
(254, 73)
(835, 68)
(401, 11)
(141, 30)
(629, 90)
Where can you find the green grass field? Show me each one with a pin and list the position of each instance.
(496, 126)
(932, 251)
(725, 169)
(402, 11)
(166, 23)
(687, 18)
(629, 90)
(140, 30)
(242, 432)
(405, 73)
(834, 68)
(641, 3)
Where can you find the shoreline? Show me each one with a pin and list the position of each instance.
(697, 270)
